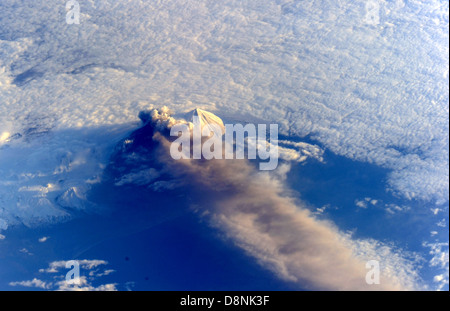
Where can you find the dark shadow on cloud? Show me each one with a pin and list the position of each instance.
(27, 76)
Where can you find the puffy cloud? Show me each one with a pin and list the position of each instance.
(98, 274)
(361, 203)
(3, 226)
(299, 151)
(55, 266)
(26, 251)
(436, 210)
(84, 286)
(33, 283)
(440, 259)
(394, 208)
(441, 223)
(85, 283)
(321, 210)
(364, 203)
(43, 239)
(390, 208)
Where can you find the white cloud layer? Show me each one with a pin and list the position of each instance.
(376, 93)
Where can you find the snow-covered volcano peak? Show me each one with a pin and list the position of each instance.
(206, 118)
